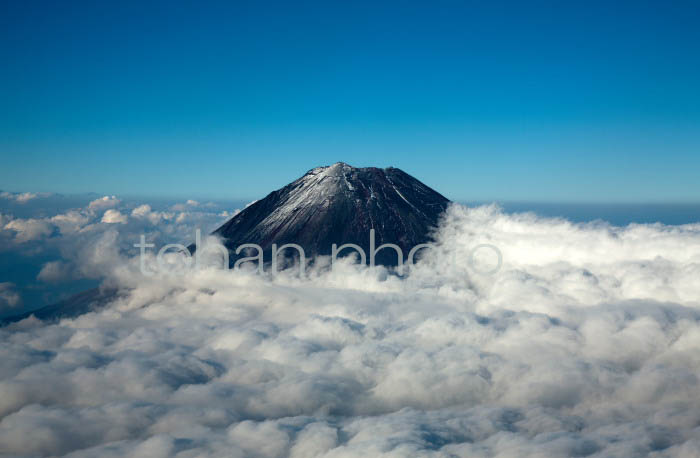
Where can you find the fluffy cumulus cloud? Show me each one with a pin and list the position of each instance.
(584, 343)
(113, 216)
(104, 203)
(154, 217)
(98, 216)
(71, 222)
(29, 229)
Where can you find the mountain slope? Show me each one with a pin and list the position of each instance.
(76, 305)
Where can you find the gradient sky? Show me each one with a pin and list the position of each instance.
(540, 101)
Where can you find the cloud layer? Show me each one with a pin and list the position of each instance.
(584, 343)
(57, 241)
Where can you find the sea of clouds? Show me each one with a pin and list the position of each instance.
(586, 342)
(50, 245)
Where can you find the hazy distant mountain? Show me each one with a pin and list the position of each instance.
(340, 204)
(76, 305)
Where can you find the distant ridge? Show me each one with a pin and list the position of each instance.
(87, 301)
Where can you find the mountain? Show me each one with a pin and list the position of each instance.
(336, 204)
(340, 204)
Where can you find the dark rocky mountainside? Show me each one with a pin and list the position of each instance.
(340, 204)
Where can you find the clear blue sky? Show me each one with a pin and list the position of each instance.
(549, 101)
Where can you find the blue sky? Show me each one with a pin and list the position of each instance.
(544, 101)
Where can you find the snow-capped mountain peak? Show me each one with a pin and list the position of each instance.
(340, 204)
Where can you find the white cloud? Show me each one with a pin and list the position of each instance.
(145, 212)
(73, 230)
(54, 272)
(186, 206)
(141, 211)
(113, 216)
(583, 344)
(104, 203)
(228, 214)
(29, 229)
(23, 197)
(70, 222)
(9, 298)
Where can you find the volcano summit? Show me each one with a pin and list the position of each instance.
(340, 204)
